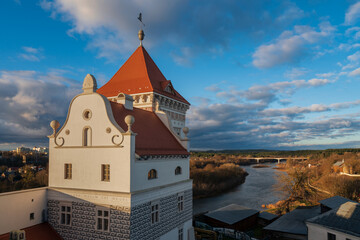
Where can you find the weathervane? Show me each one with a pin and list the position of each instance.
(141, 34)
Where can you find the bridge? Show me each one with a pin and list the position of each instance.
(279, 159)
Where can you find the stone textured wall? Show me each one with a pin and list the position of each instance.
(169, 217)
(83, 220)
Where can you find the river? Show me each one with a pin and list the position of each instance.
(258, 189)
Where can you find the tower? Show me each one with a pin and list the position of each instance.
(119, 165)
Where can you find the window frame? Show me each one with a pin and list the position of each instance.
(155, 212)
(68, 171)
(67, 214)
(178, 170)
(152, 174)
(180, 202)
(181, 233)
(102, 218)
(331, 236)
(105, 172)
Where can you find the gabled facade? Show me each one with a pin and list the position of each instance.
(119, 166)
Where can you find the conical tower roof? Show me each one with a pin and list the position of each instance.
(139, 74)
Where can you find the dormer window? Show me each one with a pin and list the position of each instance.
(152, 174)
(178, 170)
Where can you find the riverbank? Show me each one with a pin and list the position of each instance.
(211, 180)
(254, 192)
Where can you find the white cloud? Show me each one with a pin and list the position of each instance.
(290, 46)
(291, 13)
(355, 72)
(31, 54)
(29, 101)
(354, 57)
(352, 14)
(325, 75)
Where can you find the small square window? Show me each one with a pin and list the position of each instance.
(68, 171)
(32, 216)
(105, 172)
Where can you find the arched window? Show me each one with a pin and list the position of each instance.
(178, 170)
(152, 174)
(87, 137)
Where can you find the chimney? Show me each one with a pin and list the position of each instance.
(126, 100)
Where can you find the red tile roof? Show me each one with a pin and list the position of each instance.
(139, 74)
(41, 231)
(153, 137)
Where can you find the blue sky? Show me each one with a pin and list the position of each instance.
(259, 74)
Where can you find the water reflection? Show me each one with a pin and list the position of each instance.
(257, 190)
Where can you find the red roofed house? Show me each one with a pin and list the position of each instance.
(119, 165)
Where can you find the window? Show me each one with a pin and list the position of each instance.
(180, 202)
(331, 236)
(105, 172)
(154, 213)
(103, 219)
(65, 214)
(178, 170)
(181, 233)
(68, 171)
(87, 137)
(32, 216)
(152, 174)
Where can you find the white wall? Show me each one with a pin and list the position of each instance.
(316, 232)
(15, 208)
(173, 234)
(165, 171)
(87, 160)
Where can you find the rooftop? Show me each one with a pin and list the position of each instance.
(294, 221)
(139, 74)
(232, 213)
(267, 216)
(153, 137)
(345, 219)
(334, 202)
(36, 232)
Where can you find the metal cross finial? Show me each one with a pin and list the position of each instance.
(140, 19)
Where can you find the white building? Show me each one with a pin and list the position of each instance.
(119, 165)
(341, 223)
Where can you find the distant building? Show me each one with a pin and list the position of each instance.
(338, 166)
(20, 150)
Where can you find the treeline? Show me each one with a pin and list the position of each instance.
(276, 153)
(213, 179)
